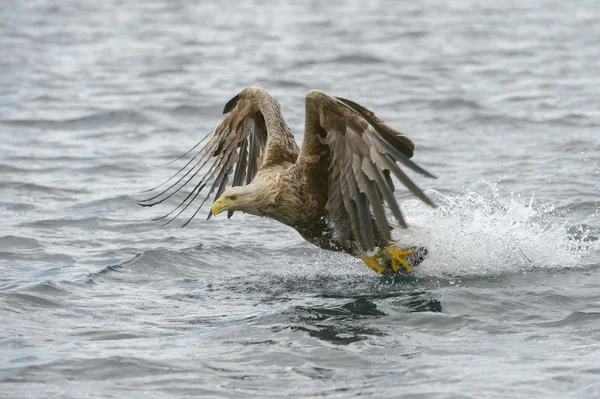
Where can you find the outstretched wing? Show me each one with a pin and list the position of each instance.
(238, 145)
(362, 153)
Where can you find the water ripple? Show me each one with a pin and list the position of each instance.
(97, 300)
(101, 119)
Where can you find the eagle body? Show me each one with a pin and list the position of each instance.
(334, 190)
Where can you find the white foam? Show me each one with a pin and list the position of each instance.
(480, 234)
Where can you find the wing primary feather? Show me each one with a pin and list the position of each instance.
(375, 175)
(388, 137)
(404, 179)
(240, 170)
(367, 224)
(388, 179)
(184, 208)
(378, 212)
(391, 201)
(335, 203)
(254, 153)
(170, 178)
(211, 171)
(187, 152)
(361, 202)
(183, 185)
(400, 157)
(144, 202)
(399, 141)
(366, 185)
(206, 151)
(219, 176)
(222, 186)
(360, 210)
(252, 161)
(231, 104)
(200, 183)
(220, 191)
(346, 198)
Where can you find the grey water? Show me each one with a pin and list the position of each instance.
(97, 300)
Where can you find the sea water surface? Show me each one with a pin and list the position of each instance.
(99, 301)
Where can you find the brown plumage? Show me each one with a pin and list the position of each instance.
(332, 191)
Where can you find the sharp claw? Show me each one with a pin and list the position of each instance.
(395, 266)
(397, 257)
(372, 262)
(404, 264)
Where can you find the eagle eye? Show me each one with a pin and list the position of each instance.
(233, 197)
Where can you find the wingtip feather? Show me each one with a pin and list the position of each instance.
(231, 104)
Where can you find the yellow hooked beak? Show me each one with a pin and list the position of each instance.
(221, 205)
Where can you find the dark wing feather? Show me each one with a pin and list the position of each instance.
(239, 143)
(363, 153)
(240, 170)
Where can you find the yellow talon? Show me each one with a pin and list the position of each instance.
(373, 262)
(397, 256)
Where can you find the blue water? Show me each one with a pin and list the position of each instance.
(96, 300)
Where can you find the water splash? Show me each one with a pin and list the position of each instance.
(481, 234)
